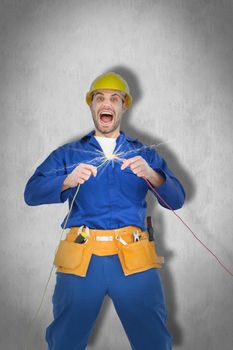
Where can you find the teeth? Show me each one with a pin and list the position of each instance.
(106, 113)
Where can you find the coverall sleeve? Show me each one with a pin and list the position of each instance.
(171, 190)
(44, 186)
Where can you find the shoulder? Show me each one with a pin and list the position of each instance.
(148, 152)
(69, 146)
(134, 141)
(144, 148)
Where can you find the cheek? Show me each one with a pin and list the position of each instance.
(94, 107)
(119, 112)
(94, 112)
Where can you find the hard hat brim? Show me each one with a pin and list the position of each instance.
(110, 81)
(128, 97)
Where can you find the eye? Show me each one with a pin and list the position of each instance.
(99, 98)
(115, 99)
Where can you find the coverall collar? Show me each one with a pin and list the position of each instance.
(122, 138)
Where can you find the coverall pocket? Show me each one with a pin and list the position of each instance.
(69, 254)
(132, 186)
(139, 256)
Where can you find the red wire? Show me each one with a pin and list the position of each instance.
(195, 236)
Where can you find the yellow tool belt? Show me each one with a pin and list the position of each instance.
(134, 256)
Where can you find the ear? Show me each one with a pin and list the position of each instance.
(124, 107)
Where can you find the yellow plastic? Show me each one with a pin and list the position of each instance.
(110, 81)
(134, 257)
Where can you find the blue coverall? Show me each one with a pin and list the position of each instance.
(114, 198)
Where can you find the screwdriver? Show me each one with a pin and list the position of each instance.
(150, 229)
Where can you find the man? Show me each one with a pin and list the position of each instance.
(107, 250)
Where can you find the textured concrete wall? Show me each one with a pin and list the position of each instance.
(177, 57)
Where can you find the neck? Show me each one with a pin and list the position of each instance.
(113, 134)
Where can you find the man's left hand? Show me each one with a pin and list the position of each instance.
(141, 168)
(138, 165)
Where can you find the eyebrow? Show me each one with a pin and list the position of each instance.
(100, 93)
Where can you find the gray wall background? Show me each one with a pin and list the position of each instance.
(177, 57)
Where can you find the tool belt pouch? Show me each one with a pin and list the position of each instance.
(73, 257)
(138, 256)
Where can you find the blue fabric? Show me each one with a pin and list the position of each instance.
(114, 198)
(138, 300)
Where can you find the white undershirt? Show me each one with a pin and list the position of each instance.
(107, 144)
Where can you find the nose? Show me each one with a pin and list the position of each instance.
(107, 104)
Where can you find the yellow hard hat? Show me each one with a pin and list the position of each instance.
(111, 81)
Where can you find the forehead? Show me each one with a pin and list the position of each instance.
(108, 92)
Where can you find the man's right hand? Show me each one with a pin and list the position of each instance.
(79, 175)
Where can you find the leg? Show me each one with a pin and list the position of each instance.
(139, 302)
(76, 304)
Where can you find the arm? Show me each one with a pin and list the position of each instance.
(160, 176)
(155, 178)
(45, 185)
(171, 189)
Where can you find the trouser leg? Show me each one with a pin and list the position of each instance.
(76, 304)
(140, 305)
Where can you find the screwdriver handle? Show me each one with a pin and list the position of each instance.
(150, 229)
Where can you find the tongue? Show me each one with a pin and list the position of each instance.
(106, 118)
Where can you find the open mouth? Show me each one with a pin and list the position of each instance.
(106, 117)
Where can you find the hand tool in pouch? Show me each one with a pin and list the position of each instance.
(136, 236)
(82, 236)
(150, 229)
